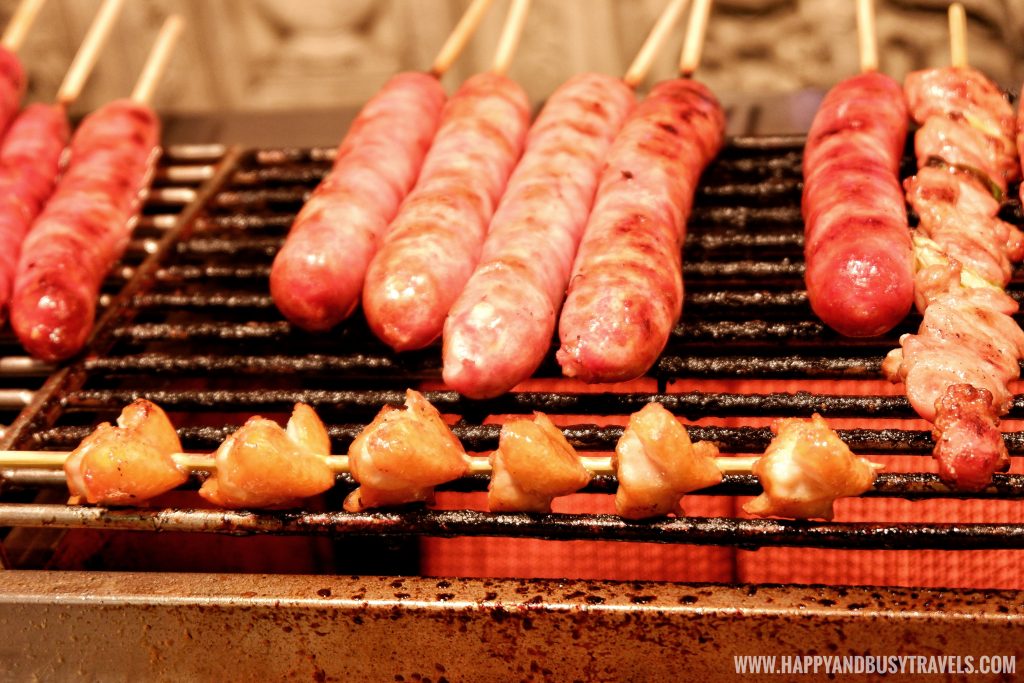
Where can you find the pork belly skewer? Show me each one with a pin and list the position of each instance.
(85, 227)
(958, 366)
(857, 247)
(430, 249)
(32, 151)
(499, 329)
(317, 277)
(626, 289)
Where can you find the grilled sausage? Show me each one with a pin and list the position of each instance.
(12, 87)
(860, 276)
(433, 245)
(30, 159)
(84, 229)
(626, 291)
(500, 328)
(317, 276)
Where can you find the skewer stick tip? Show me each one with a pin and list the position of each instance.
(655, 40)
(89, 52)
(958, 35)
(159, 57)
(459, 36)
(693, 45)
(17, 29)
(510, 35)
(867, 36)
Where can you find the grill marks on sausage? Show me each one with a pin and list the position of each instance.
(626, 290)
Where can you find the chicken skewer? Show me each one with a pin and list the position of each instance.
(32, 152)
(958, 366)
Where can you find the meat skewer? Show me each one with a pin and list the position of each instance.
(403, 454)
(857, 247)
(86, 225)
(958, 366)
(626, 289)
(432, 246)
(317, 277)
(499, 329)
(32, 152)
(12, 72)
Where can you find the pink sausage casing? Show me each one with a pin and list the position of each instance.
(317, 276)
(500, 327)
(30, 159)
(626, 291)
(433, 245)
(857, 246)
(12, 88)
(84, 229)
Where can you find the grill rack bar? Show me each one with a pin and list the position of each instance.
(743, 533)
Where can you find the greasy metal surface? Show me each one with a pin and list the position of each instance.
(173, 627)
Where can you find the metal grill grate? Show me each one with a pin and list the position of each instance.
(196, 332)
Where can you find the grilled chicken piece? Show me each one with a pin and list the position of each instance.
(656, 464)
(805, 468)
(127, 464)
(968, 443)
(533, 464)
(402, 455)
(262, 465)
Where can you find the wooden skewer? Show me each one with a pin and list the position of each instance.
(510, 35)
(958, 35)
(21, 22)
(662, 29)
(339, 463)
(867, 38)
(459, 36)
(693, 45)
(158, 59)
(89, 52)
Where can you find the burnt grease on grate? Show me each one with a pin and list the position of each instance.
(201, 337)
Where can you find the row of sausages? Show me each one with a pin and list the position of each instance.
(485, 244)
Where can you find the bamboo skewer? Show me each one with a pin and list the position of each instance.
(510, 35)
(662, 29)
(459, 36)
(867, 38)
(200, 462)
(958, 35)
(89, 52)
(159, 57)
(21, 22)
(693, 45)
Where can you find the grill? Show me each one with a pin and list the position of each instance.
(195, 331)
